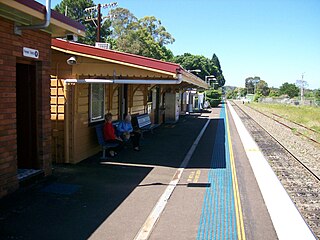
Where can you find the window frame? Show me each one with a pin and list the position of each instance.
(93, 119)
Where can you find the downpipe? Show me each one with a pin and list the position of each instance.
(45, 24)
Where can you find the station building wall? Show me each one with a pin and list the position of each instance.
(11, 56)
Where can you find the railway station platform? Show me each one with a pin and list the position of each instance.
(200, 178)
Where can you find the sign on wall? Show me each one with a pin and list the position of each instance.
(31, 53)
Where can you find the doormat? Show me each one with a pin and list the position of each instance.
(27, 173)
(61, 188)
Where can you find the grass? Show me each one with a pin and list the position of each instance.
(307, 116)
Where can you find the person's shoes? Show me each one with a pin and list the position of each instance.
(136, 149)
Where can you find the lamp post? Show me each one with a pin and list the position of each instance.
(194, 70)
(210, 78)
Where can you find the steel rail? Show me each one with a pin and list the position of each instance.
(291, 128)
(301, 163)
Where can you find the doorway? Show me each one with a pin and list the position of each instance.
(27, 137)
(123, 98)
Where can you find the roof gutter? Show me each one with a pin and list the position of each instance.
(45, 24)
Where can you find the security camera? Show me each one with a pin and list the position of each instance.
(72, 60)
(72, 37)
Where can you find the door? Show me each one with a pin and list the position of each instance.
(26, 92)
(123, 98)
(157, 110)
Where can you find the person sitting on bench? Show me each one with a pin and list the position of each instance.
(110, 137)
(126, 132)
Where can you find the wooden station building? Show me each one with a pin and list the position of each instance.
(87, 82)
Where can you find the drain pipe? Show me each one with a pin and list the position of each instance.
(45, 24)
(125, 81)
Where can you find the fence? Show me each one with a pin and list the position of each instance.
(312, 103)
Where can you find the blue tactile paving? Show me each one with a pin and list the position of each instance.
(218, 217)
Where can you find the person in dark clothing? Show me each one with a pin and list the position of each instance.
(110, 136)
(126, 132)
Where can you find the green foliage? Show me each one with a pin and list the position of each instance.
(243, 92)
(157, 31)
(317, 94)
(251, 84)
(145, 37)
(262, 86)
(257, 95)
(236, 92)
(219, 75)
(75, 11)
(305, 115)
(216, 62)
(290, 89)
(207, 67)
(214, 97)
(274, 92)
(213, 94)
(123, 22)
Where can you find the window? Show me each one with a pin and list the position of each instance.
(96, 102)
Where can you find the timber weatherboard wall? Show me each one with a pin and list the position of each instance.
(82, 136)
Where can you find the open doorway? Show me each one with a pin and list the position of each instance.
(123, 101)
(27, 137)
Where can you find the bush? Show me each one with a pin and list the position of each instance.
(214, 97)
(214, 102)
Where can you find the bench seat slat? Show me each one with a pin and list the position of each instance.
(144, 123)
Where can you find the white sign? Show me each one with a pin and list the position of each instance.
(31, 53)
(102, 45)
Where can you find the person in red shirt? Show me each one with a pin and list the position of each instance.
(110, 136)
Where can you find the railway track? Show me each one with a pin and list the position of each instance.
(300, 180)
(295, 127)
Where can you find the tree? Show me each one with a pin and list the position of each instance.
(290, 89)
(216, 62)
(207, 67)
(75, 11)
(157, 31)
(262, 86)
(274, 92)
(123, 22)
(219, 76)
(317, 94)
(251, 83)
(145, 37)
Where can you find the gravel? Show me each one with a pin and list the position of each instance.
(302, 187)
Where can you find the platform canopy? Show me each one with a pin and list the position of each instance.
(118, 67)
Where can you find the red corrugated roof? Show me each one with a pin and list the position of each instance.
(40, 8)
(117, 56)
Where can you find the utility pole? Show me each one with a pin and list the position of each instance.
(301, 83)
(99, 23)
(95, 15)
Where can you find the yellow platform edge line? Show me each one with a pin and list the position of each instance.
(237, 201)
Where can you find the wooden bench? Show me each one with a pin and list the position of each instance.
(105, 146)
(143, 122)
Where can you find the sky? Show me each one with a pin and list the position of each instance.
(276, 40)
